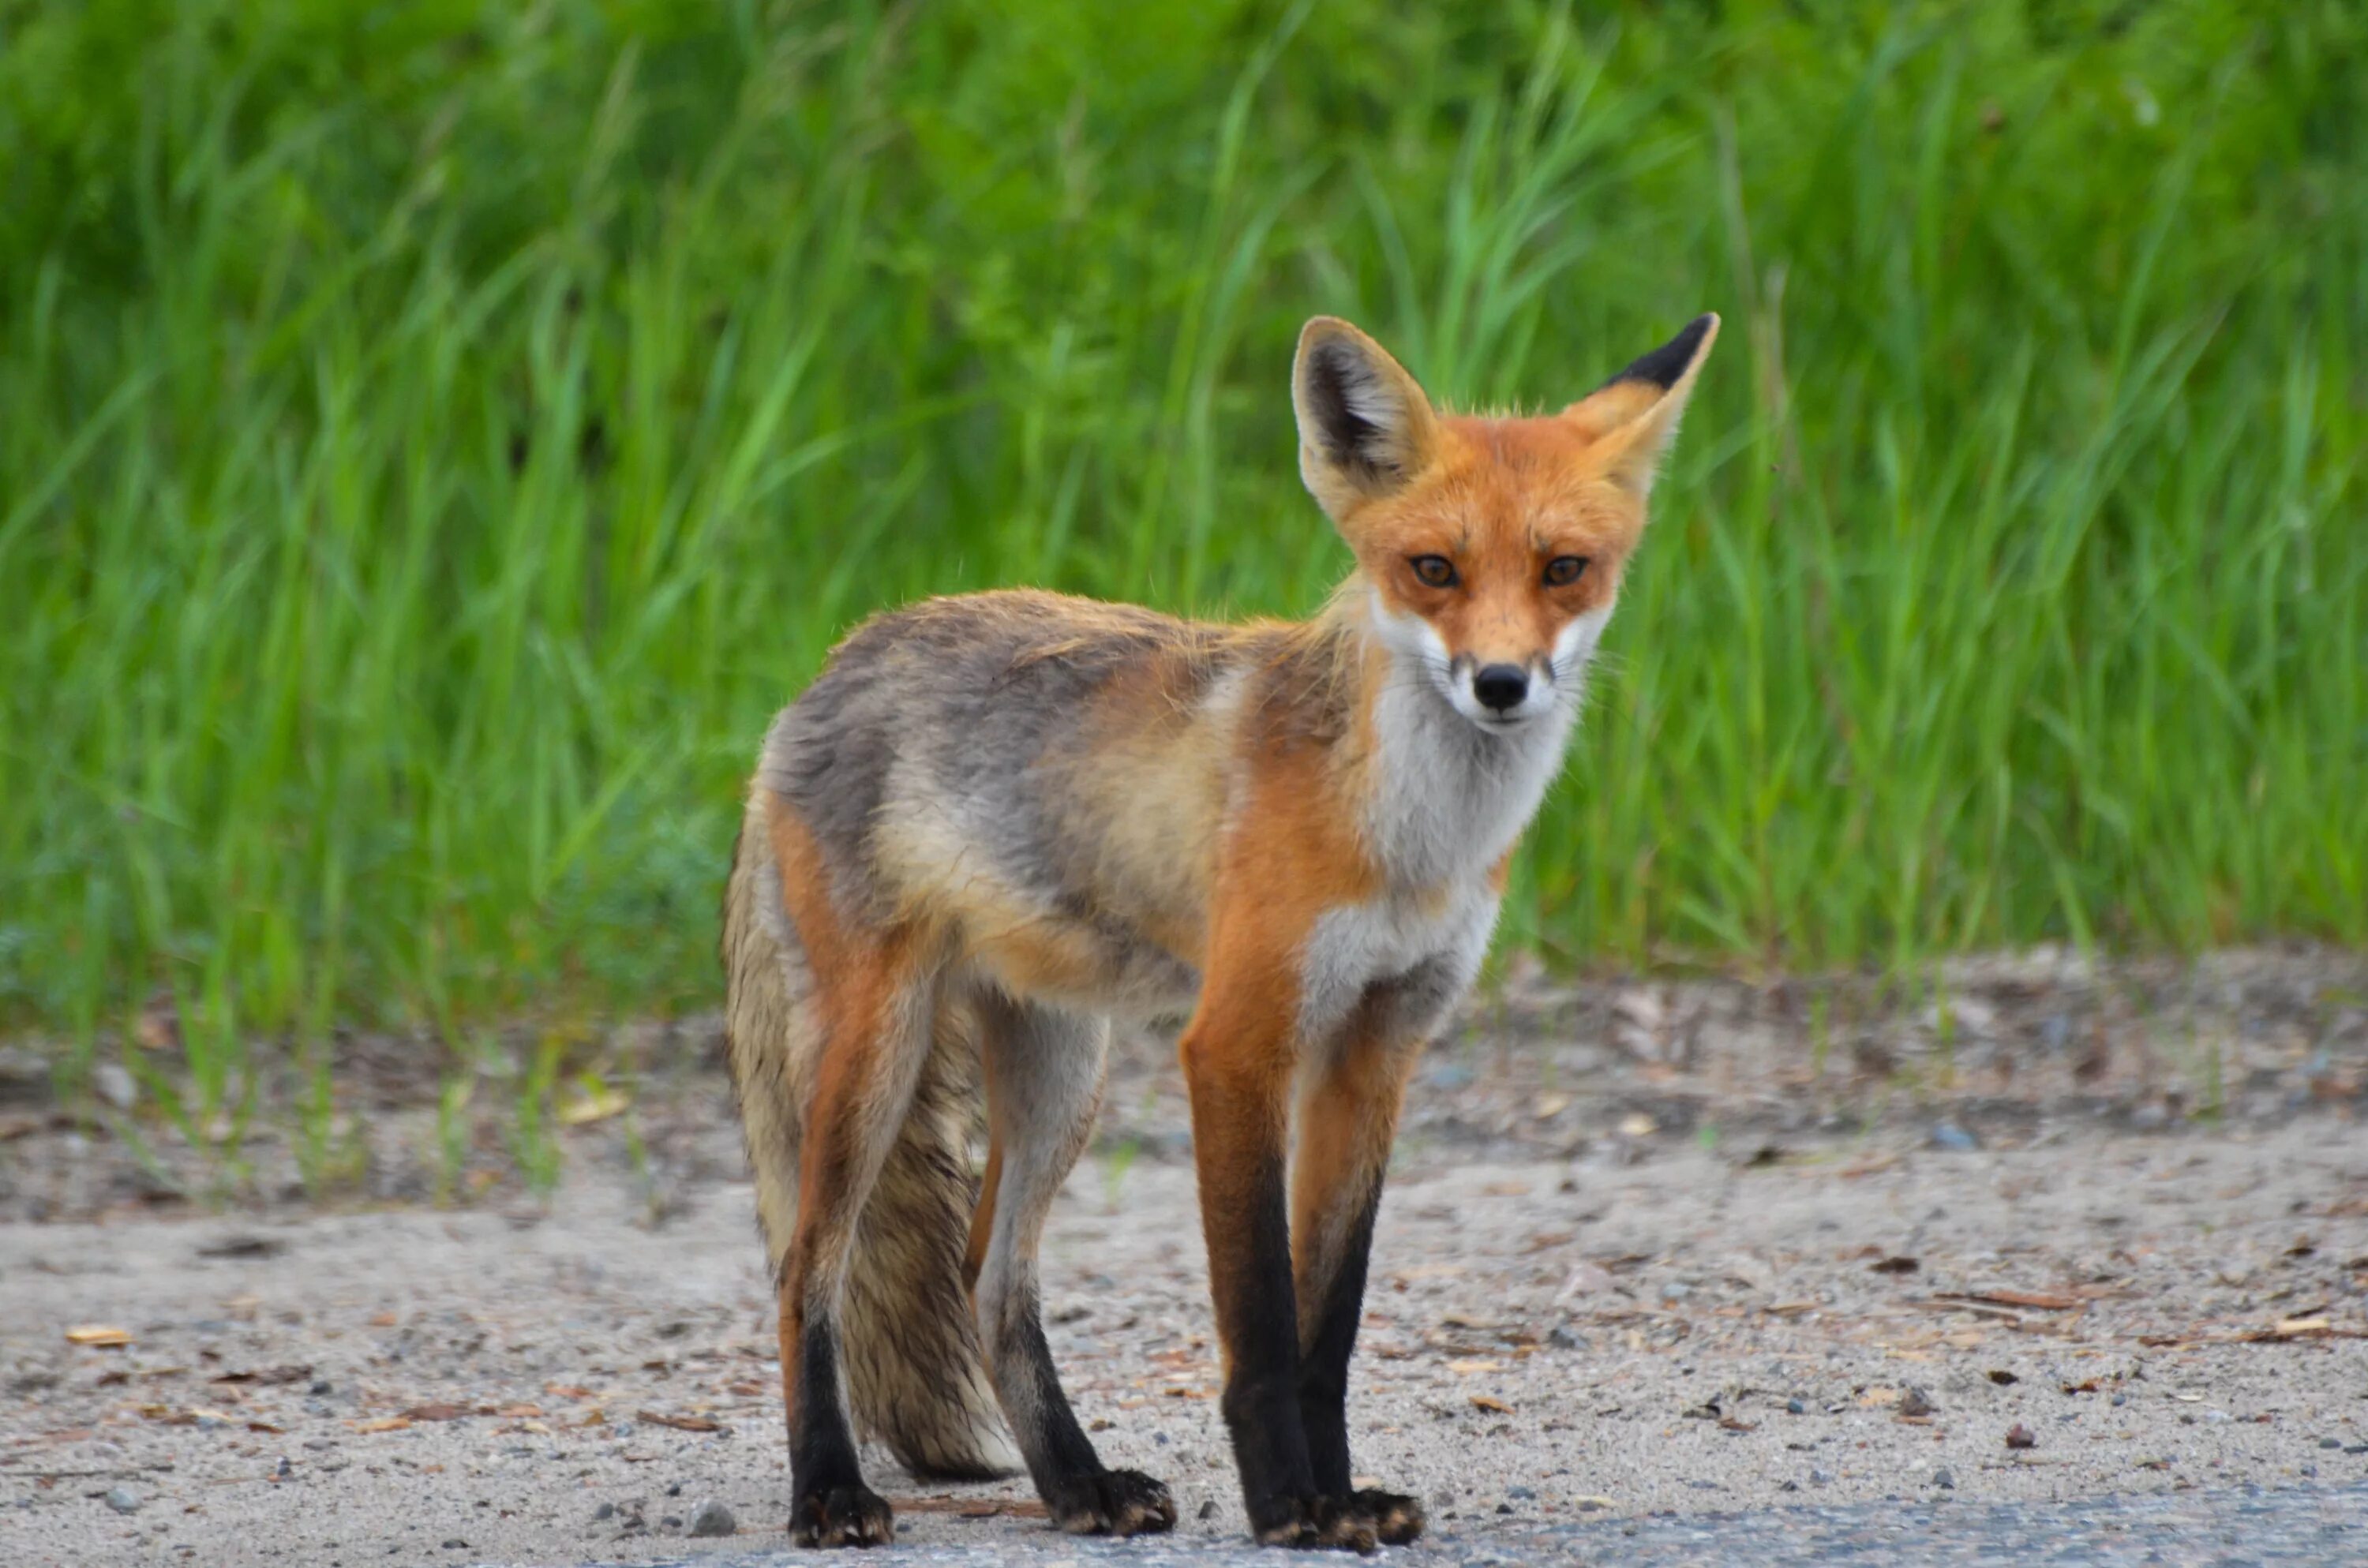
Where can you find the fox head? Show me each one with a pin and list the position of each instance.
(1492, 548)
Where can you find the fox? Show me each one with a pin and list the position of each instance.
(997, 825)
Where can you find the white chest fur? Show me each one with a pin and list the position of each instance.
(1392, 937)
(1447, 797)
(1448, 800)
(1447, 804)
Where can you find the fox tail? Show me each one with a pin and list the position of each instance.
(916, 1373)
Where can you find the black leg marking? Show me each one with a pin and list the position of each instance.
(1324, 1371)
(1043, 1084)
(1261, 1398)
(831, 1507)
(1368, 1517)
(1082, 1497)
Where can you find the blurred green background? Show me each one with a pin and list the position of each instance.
(435, 437)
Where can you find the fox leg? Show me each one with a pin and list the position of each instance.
(868, 1063)
(1238, 1056)
(1043, 1071)
(1348, 1116)
(874, 1004)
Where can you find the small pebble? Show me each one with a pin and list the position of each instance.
(322, 1385)
(1945, 1480)
(2331, 1442)
(285, 1470)
(2120, 1399)
(1209, 1509)
(675, 1490)
(671, 1522)
(124, 1500)
(1795, 1406)
(605, 1511)
(1916, 1402)
(1562, 1336)
(456, 1544)
(1522, 1494)
(2019, 1437)
(1820, 1477)
(1949, 1135)
(712, 1517)
(114, 1083)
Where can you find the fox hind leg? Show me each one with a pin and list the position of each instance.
(871, 1006)
(1043, 1073)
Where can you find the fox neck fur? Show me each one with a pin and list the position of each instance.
(1436, 800)
(1444, 798)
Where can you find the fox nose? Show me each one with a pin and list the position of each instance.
(1500, 686)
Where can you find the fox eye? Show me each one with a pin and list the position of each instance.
(1433, 571)
(1564, 570)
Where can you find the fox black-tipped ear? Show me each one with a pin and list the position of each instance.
(1661, 369)
(1365, 427)
(1635, 413)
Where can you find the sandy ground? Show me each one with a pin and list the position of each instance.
(1662, 1263)
(1651, 1327)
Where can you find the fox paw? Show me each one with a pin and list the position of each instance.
(852, 1515)
(1311, 1523)
(1396, 1518)
(1359, 1522)
(1117, 1502)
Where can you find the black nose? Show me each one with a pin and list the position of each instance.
(1500, 686)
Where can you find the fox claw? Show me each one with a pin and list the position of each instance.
(843, 1516)
(1117, 1502)
(1396, 1518)
(1359, 1522)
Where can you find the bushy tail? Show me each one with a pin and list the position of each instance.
(915, 1371)
(916, 1377)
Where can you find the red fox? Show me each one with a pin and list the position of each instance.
(997, 822)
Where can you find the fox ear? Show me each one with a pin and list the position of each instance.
(1634, 414)
(1365, 427)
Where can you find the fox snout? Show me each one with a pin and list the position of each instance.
(1500, 687)
(1500, 692)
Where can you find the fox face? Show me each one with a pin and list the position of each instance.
(1491, 547)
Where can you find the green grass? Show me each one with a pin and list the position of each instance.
(432, 439)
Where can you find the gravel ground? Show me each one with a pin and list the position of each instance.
(2227, 1526)
(1761, 1272)
(1554, 1351)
